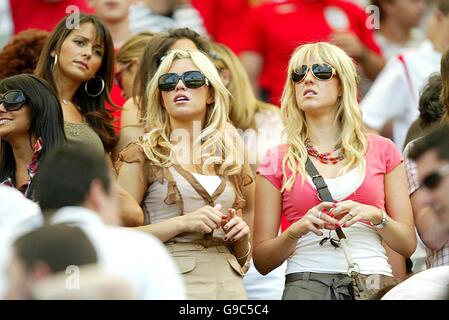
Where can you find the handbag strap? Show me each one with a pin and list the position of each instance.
(322, 189)
(326, 196)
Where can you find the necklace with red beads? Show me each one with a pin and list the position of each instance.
(324, 157)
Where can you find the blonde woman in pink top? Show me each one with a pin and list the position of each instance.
(364, 174)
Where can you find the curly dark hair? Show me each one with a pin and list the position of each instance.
(430, 106)
(21, 54)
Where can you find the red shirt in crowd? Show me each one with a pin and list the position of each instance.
(275, 29)
(42, 14)
(223, 19)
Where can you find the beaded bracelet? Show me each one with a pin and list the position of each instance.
(247, 253)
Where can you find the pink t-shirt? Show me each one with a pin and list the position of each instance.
(381, 158)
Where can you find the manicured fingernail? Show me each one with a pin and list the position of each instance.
(226, 228)
(225, 238)
(233, 239)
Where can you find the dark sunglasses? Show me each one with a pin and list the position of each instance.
(433, 180)
(13, 100)
(321, 71)
(191, 79)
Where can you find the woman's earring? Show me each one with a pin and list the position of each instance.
(95, 84)
(56, 61)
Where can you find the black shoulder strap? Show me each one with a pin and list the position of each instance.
(319, 182)
(322, 189)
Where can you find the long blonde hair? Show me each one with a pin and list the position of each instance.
(348, 116)
(244, 104)
(134, 47)
(219, 140)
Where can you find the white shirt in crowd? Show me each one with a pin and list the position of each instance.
(18, 212)
(141, 18)
(394, 97)
(138, 257)
(7, 237)
(391, 49)
(431, 284)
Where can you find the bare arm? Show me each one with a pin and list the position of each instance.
(242, 247)
(427, 224)
(253, 63)
(133, 178)
(400, 233)
(372, 63)
(267, 253)
(132, 127)
(396, 261)
(271, 250)
(130, 211)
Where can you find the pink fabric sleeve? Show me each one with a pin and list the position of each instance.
(392, 156)
(271, 166)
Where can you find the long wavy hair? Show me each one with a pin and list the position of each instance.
(46, 120)
(92, 108)
(348, 115)
(244, 104)
(219, 141)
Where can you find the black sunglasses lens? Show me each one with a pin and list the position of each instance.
(322, 71)
(194, 79)
(168, 82)
(432, 181)
(299, 73)
(13, 100)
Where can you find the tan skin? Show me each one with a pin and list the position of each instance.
(320, 111)
(436, 200)
(79, 59)
(205, 219)
(14, 128)
(132, 127)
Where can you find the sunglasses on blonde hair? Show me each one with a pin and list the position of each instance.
(191, 79)
(321, 71)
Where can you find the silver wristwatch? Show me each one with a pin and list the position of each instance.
(382, 223)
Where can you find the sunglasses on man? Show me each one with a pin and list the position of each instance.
(191, 79)
(321, 71)
(432, 180)
(13, 100)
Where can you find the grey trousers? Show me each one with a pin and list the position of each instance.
(318, 286)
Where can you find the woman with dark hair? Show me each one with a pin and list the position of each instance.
(79, 64)
(31, 126)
